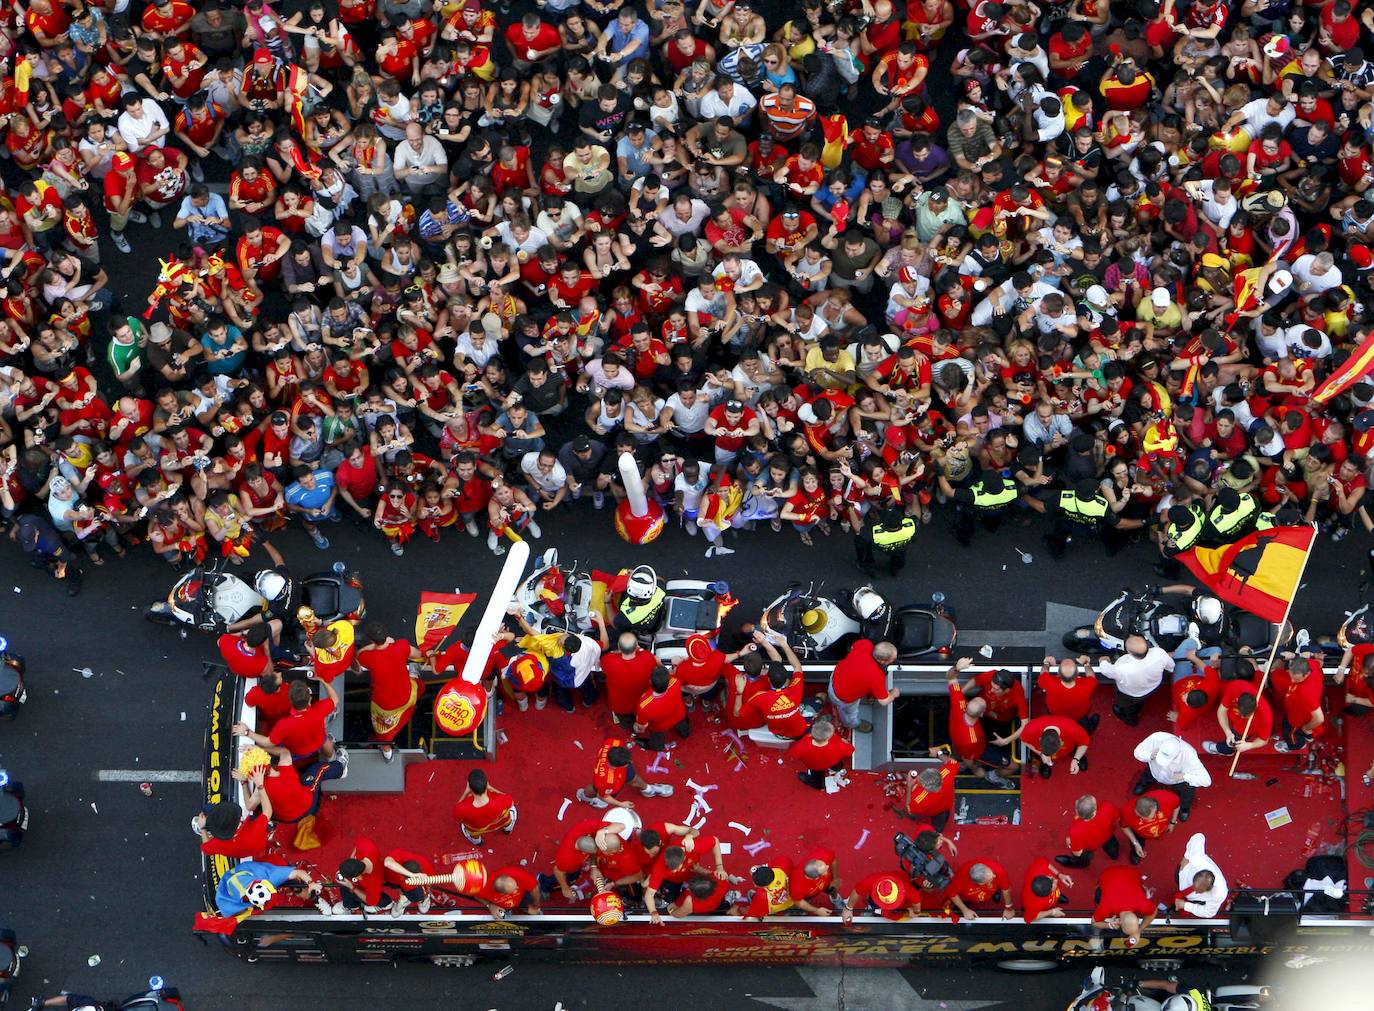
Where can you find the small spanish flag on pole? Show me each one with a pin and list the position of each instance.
(1351, 371)
(439, 615)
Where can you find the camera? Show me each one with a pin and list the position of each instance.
(927, 869)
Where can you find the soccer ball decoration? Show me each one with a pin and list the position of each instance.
(607, 909)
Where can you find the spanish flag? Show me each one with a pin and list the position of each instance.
(1259, 572)
(1352, 370)
(439, 615)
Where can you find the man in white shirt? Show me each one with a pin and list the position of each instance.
(728, 99)
(1218, 202)
(1173, 763)
(1315, 273)
(1202, 887)
(420, 161)
(142, 123)
(547, 479)
(1254, 116)
(1137, 673)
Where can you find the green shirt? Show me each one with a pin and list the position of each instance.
(122, 356)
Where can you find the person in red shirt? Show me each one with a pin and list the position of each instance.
(1093, 828)
(627, 669)
(977, 754)
(247, 654)
(1122, 903)
(482, 809)
(300, 735)
(1244, 717)
(661, 709)
(675, 864)
(361, 878)
(977, 881)
(394, 688)
(398, 868)
(1054, 739)
(509, 888)
(780, 699)
(930, 793)
(888, 893)
(703, 895)
(1042, 892)
(1299, 687)
(1069, 692)
(1153, 815)
(260, 251)
(226, 831)
(814, 888)
(1006, 700)
(821, 753)
(862, 674)
(614, 770)
(1195, 692)
(268, 700)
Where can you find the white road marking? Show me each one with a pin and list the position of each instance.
(148, 776)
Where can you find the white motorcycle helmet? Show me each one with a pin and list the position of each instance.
(869, 603)
(1207, 610)
(642, 583)
(1181, 1002)
(270, 584)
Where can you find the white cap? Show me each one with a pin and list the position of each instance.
(1097, 295)
(1161, 298)
(1280, 280)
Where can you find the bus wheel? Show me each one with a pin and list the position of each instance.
(454, 961)
(1029, 965)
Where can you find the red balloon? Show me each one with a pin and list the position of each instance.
(459, 707)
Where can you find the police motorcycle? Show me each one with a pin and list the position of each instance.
(823, 628)
(1166, 620)
(12, 690)
(663, 615)
(1097, 995)
(14, 815)
(211, 599)
(1358, 627)
(158, 997)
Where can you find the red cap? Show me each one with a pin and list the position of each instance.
(1361, 256)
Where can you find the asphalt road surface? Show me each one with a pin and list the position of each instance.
(107, 871)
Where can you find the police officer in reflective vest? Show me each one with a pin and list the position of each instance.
(1234, 515)
(641, 607)
(1083, 512)
(1184, 528)
(986, 500)
(883, 538)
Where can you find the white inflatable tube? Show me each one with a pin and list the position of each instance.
(634, 485)
(502, 596)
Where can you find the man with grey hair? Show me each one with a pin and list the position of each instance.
(862, 674)
(968, 739)
(977, 881)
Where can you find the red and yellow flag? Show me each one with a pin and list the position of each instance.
(1259, 572)
(439, 615)
(1352, 370)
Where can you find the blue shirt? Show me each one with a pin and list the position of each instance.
(636, 158)
(223, 366)
(215, 207)
(315, 499)
(638, 34)
(229, 896)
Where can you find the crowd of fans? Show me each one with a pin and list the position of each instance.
(467, 258)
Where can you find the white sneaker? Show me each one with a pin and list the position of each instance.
(533, 529)
(138, 217)
(1211, 747)
(540, 701)
(514, 814)
(197, 173)
(659, 790)
(599, 499)
(341, 756)
(322, 904)
(339, 909)
(398, 907)
(523, 703)
(718, 550)
(397, 549)
(471, 527)
(497, 548)
(121, 243)
(587, 798)
(468, 836)
(424, 905)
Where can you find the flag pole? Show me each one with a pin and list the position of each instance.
(1273, 652)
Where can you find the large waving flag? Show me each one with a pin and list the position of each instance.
(439, 615)
(1259, 572)
(1352, 370)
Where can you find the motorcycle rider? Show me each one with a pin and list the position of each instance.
(641, 605)
(1185, 526)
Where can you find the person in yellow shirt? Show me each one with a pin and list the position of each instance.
(829, 365)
